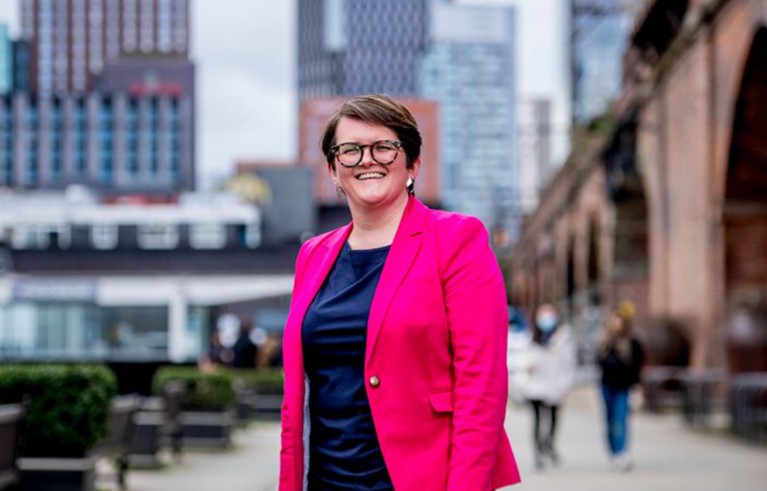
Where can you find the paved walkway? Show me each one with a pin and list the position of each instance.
(667, 457)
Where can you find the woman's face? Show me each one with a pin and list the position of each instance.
(370, 184)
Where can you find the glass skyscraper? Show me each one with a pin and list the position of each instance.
(462, 57)
(469, 71)
(348, 47)
(600, 30)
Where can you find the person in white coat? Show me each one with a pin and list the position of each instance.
(550, 370)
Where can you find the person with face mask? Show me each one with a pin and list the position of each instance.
(550, 368)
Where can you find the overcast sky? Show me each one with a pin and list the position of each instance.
(245, 56)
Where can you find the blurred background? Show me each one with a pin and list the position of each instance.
(160, 167)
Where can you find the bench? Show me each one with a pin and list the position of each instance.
(11, 418)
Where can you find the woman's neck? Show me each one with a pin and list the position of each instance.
(375, 227)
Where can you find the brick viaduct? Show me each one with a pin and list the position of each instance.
(666, 205)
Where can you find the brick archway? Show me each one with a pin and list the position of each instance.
(745, 210)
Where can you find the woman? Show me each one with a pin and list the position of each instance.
(550, 363)
(394, 348)
(620, 357)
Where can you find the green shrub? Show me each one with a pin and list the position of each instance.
(262, 380)
(68, 406)
(205, 391)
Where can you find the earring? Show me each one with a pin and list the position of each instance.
(339, 191)
(410, 185)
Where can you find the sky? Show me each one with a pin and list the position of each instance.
(245, 55)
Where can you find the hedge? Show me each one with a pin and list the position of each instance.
(262, 380)
(68, 406)
(205, 391)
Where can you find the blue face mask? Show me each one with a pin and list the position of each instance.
(546, 323)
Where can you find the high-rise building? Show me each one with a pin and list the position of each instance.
(348, 47)
(535, 148)
(6, 61)
(72, 41)
(599, 33)
(469, 70)
(114, 142)
(103, 95)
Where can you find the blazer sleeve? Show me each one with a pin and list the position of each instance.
(475, 303)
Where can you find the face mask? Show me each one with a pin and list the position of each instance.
(546, 322)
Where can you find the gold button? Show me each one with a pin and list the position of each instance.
(374, 381)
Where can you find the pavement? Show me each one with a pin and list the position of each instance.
(667, 457)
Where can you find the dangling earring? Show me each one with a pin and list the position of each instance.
(410, 185)
(339, 191)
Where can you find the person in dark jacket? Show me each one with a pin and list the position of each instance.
(620, 357)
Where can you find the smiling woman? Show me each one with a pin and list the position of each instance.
(395, 346)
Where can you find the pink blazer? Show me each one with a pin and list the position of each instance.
(435, 361)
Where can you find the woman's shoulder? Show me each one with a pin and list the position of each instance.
(454, 222)
(311, 244)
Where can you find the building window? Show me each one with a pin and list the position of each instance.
(207, 236)
(34, 236)
(104, 235)
(158, 236)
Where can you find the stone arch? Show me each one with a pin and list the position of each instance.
(745, 209)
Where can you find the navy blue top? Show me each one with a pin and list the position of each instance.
(344, 453)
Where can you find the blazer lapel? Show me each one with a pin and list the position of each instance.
(318, 267)
(402, 254)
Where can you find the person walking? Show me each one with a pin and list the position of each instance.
(550, 372)
(395, 344)
(620, 357)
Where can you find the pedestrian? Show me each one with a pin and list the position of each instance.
(244, 350)
(394, 348)
(549, 365)
(620, 357)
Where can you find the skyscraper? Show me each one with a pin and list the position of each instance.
(103, 96)
(469, 70)
(348, 47)
(73, 40)
(599, 31)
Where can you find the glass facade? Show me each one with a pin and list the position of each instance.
(469, 71)
(82, 330)
(74, 140)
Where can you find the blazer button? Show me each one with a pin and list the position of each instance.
(374, 381)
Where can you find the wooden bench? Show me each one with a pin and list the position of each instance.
(11, 418)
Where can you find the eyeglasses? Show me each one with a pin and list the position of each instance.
(384, 152)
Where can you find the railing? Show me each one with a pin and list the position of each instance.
(748, 406)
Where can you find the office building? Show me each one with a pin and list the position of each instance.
(469, 71)
(600, 30)
(535, 150)
(348, 47)
(6, 61)
(72, 41)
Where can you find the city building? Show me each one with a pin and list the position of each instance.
(131, 279)
(117, 142)
(316, 112)
(284, 195)
(72, 41)
(535, 150)
(468, 70)
(103, 94)
(348, 47)
(599, 36)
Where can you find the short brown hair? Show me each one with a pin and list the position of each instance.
(375, 109)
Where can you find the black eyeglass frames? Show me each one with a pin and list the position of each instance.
(383, 152)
